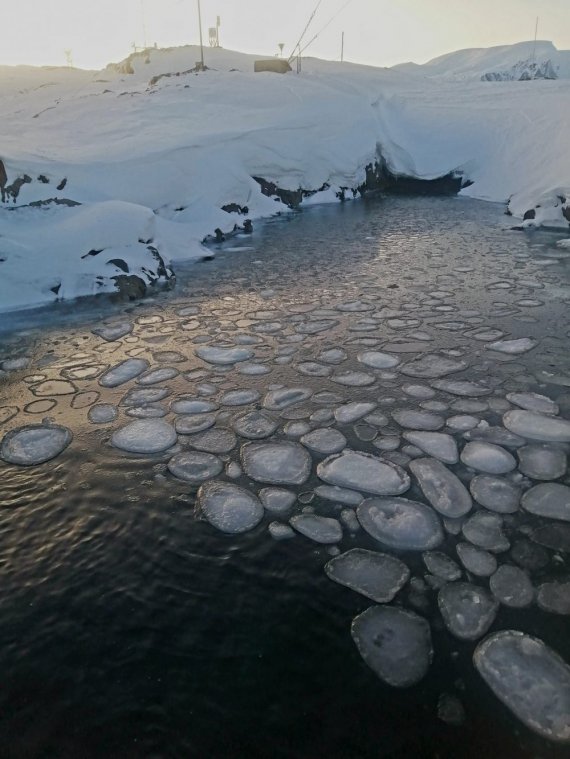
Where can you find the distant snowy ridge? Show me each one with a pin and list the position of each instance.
(118, 175)
(523, 71)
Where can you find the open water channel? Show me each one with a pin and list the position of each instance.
(389, 377)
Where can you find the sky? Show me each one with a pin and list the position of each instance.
(377, 32)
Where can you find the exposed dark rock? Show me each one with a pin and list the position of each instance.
(62, 184)
(93, 253)
(55, 290)
(120, 264)
(220, 237)
(235, 208)
(530, 214)
(13, 190)
(291, 198)
(53, 201)
(43, 179)
(248, 227)
(130, 286)
(380, 177)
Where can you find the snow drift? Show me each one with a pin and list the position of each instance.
(117, 173)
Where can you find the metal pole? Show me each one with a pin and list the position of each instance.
(342, 49)
(534, 46)
(201, 41)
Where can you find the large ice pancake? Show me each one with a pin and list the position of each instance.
(145, 436)
(401, 524)
(229, 508)
(443, 489)
(549, 499)
(376, 575)
(467, 610)
(530, 679)
(395, 643)
(279, 463)
(34, 444)
(124, 372)
(529, 424)
(363, 472)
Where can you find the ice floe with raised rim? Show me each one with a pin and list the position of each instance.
(363, 472)
(534, 426)
(145, 436)
(377, 576)
(255, 425)
(320, 529)
(229, 508)
(195, 466)
(542, 462)
(513, 347)
(378, 359)
(224, 356)
(34, 444)
(276, 463)
(476, 560)
(437, 444)
(488, 458)
(541, 404)
(351, 412)
(442, 488)
(277, 500)
(124, 372)
(512, 587)
(485, 530)
(432, 366)
(530, 679)
(401, 524)
(495, 493)
(468, 611)
(324, 440)
(396, 644)
(549, 499)
(102, 413)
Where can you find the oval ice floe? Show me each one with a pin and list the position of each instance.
(276, 463)
(549, 499)
(361, 471)
(229, 508)
(145, 436)
(530, 679)
(195, 466)
(534, 426)
(396, 644)
(443, 489)
(34, 444)
(468, 611)
(320, 529)
(401, 524)
(224, 356)
(124, 372)
(377, 576)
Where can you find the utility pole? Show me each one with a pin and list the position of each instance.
(342, 48)
(201, 40)
(143, 24)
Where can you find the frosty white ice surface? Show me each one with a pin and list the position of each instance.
(361, 471)
(145, 436)
(349, 520)
(418, 420)
(443, 489)
(277, 500)
(320, 529)
(542, 462)
(340, 495)
(377, 576)
(224, 356)
(103, 413)
(255, 425)
(489, 458)
(124, 372)
(150, 411)
(154, 376)
(554, 597)
(239, 397)
(484, 529)
(353, 379)
(400, 523)
(216, 440)
(324, 440)
(333, 356)
(114, 331)
(421, 392)
(530, 679)
(495, 493)
(512, 587)
(535, 426)
(495, 436)
(378, 360)
(252, 369)
(433, 365)
(143, 395)
(476, 560)
(534, 402)
(192, 423)
(34, 444)
(314, 369)
(276, 400)
(229, 508)
(437, 444)
(276, 463)
(441, 565)
(462, 388)
(350, 412)
(513, 347)
(467, 610)
(195, 466)
(549, 499)
(396, 644)
(280, 531)
(192, 406)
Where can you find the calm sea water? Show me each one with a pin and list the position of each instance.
(129, 627)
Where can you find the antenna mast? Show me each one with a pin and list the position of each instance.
(534, 46)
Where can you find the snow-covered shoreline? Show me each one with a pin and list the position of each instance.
(153, 165)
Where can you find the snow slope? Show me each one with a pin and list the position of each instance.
(152, 156)
(474, 62)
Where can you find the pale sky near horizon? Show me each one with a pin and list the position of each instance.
(378, 32)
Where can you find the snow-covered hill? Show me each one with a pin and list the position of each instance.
(117, 174)
(475, 63)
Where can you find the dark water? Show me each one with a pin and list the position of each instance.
(131, 628)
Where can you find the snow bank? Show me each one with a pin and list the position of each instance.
(154, 157)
